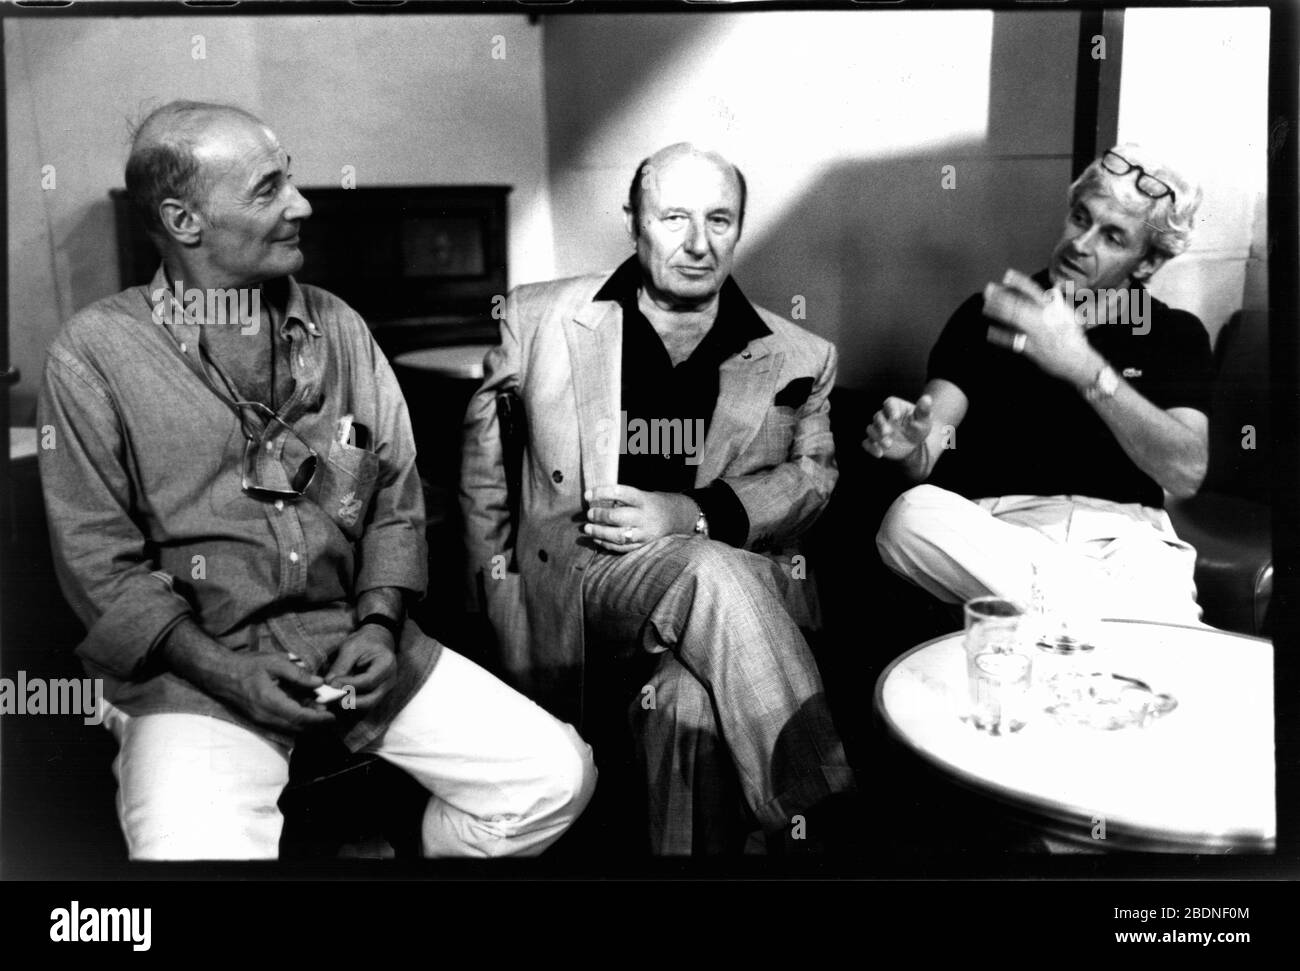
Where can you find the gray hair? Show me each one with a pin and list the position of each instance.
(162, 163)
(1170, 218)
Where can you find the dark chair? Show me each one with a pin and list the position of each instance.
(870, 614)
(1229, 520)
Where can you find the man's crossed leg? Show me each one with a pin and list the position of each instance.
(721, 612)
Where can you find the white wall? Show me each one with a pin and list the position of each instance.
(405, 100)
(1194, 86)
(842, 123)
(841, 120)
(786, 94)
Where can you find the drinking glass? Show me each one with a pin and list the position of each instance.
(999, 665)
(1064, 630)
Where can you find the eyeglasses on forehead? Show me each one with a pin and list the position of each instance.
(1147, 184)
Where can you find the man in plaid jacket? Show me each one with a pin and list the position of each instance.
(678, 444)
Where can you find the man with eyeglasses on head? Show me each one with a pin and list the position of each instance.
(237, 519)
(1058, 410)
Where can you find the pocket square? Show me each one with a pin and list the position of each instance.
(795, 393)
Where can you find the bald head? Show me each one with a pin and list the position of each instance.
(647, 174)
(165, 157)
(684, 215)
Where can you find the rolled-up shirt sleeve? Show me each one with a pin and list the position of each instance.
(114, 585)
(393, 550)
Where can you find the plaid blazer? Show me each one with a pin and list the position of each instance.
(561, 353)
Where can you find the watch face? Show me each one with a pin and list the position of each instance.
(1107, 381)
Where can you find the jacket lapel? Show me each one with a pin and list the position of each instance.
(595, 336)
(746, 388)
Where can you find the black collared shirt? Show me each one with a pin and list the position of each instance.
(666, 410)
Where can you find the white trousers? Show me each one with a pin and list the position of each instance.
(505, 777)
(1111, 559)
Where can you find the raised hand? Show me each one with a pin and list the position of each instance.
(1041, 325)
(899, 428)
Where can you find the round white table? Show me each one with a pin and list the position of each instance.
(22, 443)
(462, 361)
(1200, 779)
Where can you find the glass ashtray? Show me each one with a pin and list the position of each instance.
(1064, 645)
(1105, 701)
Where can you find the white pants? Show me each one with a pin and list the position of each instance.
(1121, 560)
(504, 776)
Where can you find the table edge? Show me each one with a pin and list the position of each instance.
(1060, 815)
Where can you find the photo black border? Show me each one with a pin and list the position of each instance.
(1284, 300)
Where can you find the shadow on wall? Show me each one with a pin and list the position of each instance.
(880, 247)
(883, 254)
(604, 67)
(885, 249)
(90, 275)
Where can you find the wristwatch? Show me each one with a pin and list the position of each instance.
(701, 525)
(1104, 385)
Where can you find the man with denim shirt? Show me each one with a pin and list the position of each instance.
(237, 519)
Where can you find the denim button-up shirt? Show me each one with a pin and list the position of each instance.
(150, 522)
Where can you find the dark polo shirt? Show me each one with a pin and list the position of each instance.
(1027, 433)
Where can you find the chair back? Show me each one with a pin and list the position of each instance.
(1240, 425)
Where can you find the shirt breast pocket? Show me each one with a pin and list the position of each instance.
(348, 479)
